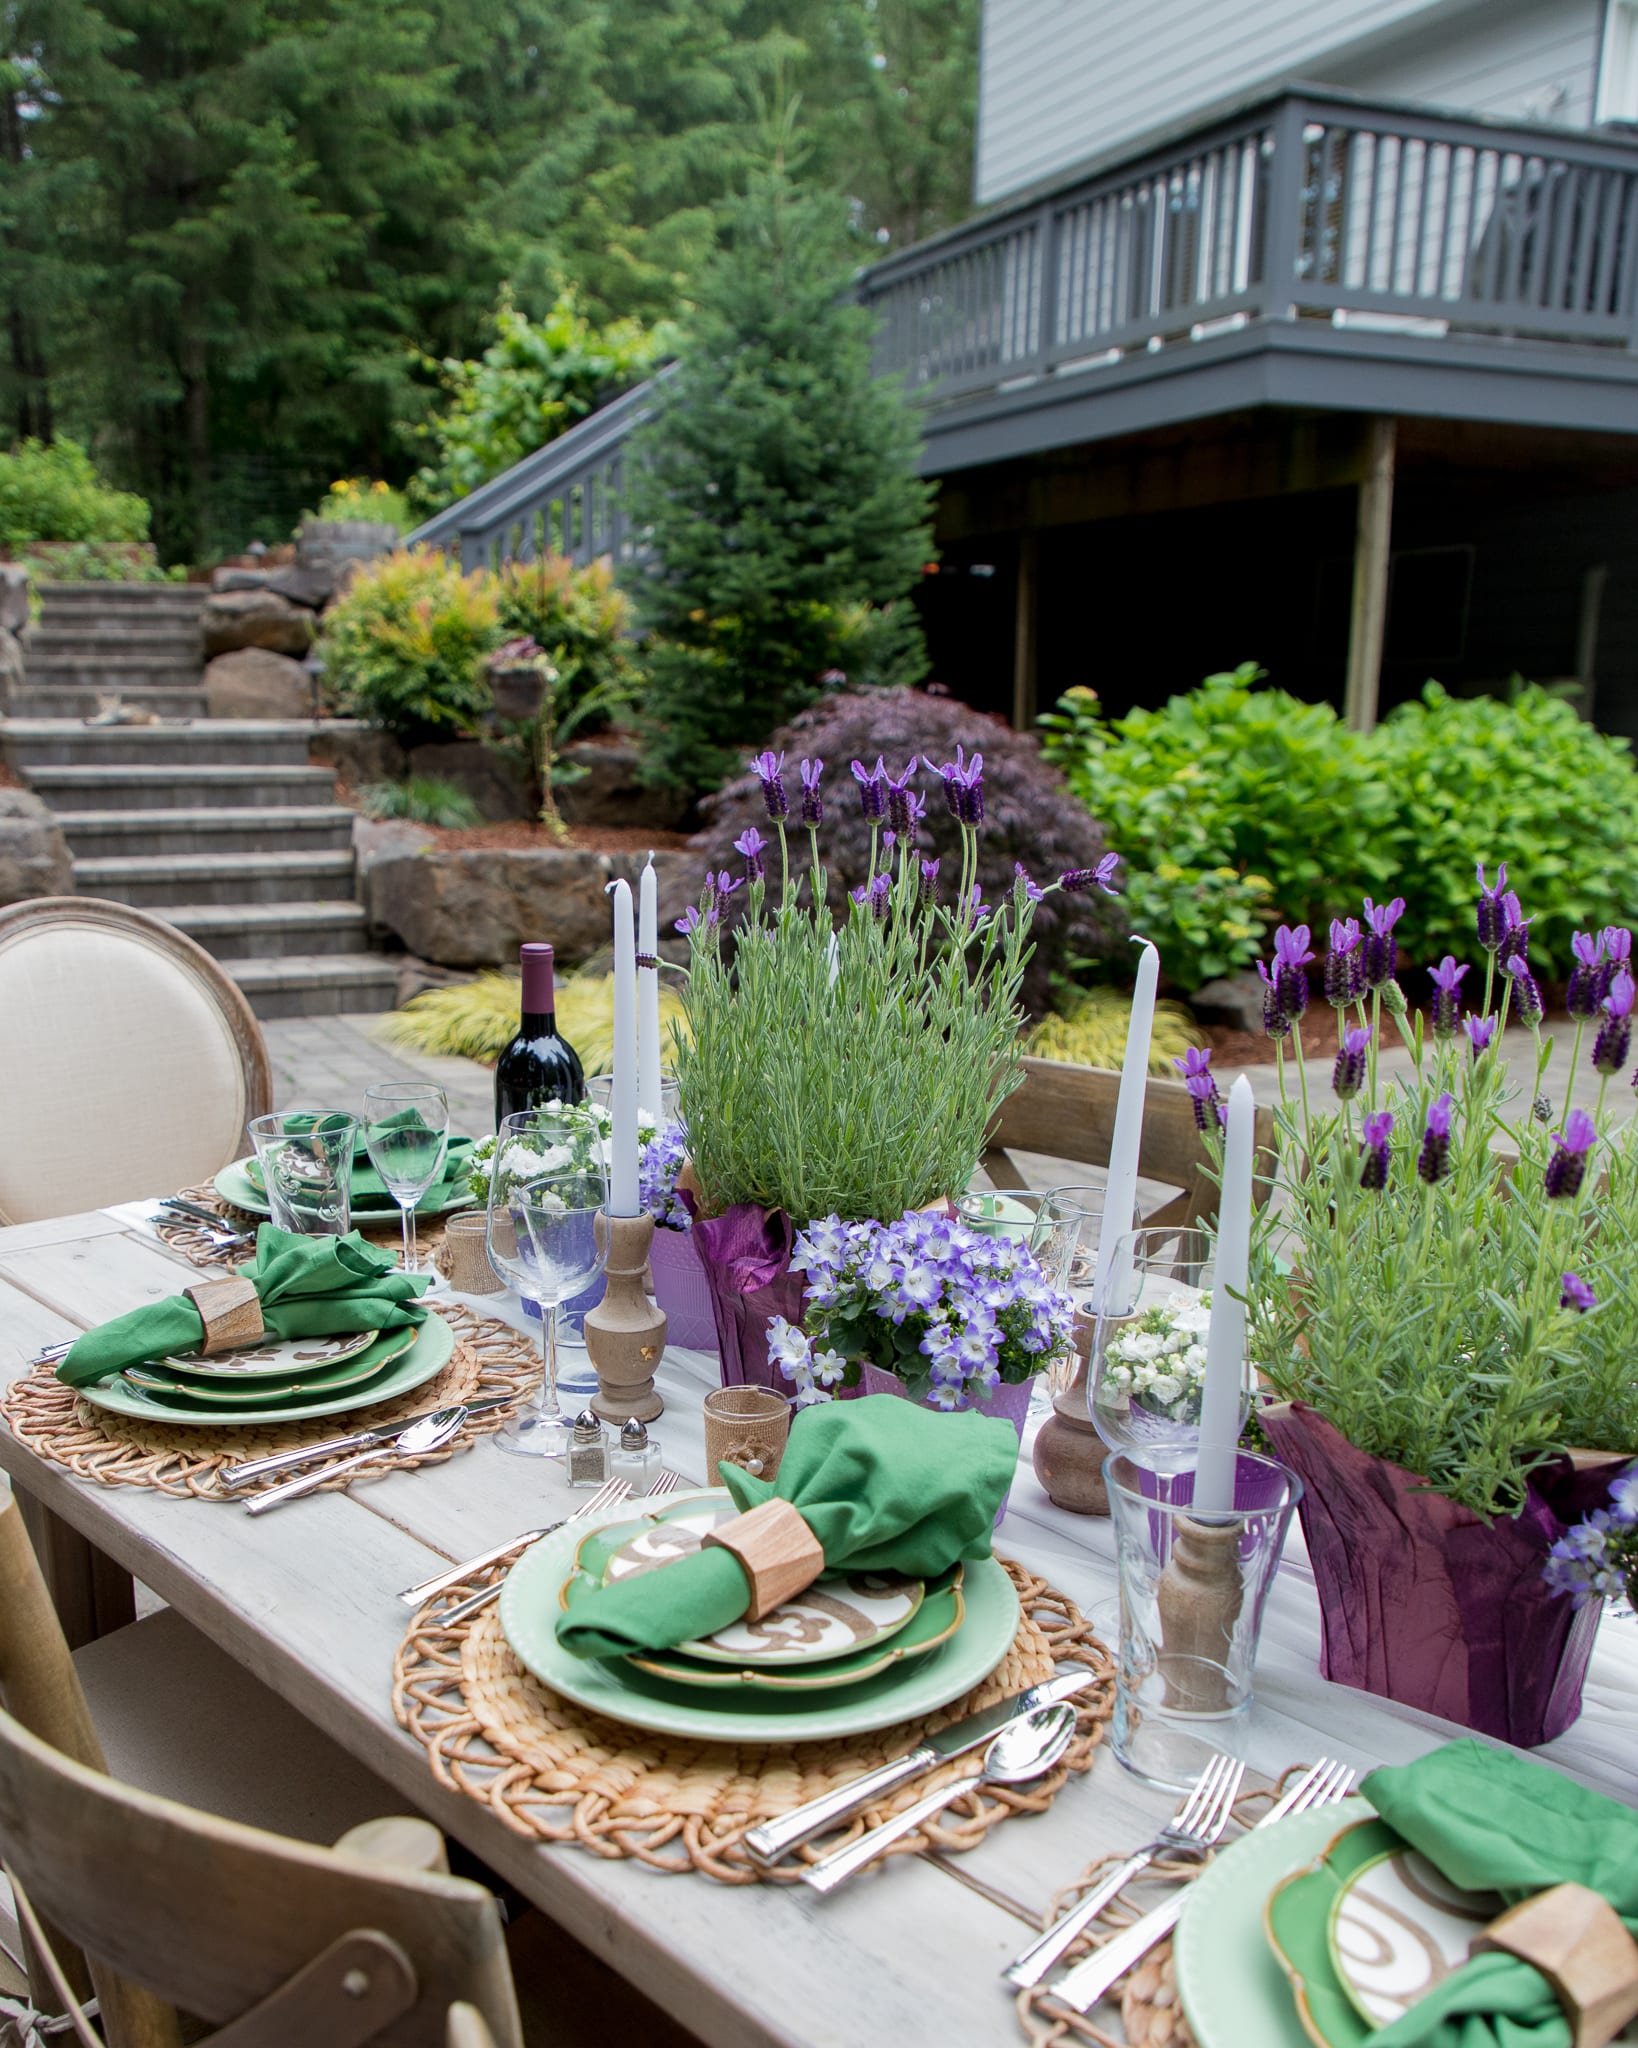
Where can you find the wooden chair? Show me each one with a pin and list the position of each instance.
(1068, 1112)
(129, 1062)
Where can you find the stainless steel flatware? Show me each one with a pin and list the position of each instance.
(52, 1354)
(235, 1476)
(1197, 1824)
(431, 1433)
(199, 1213)
(776, 1838)
(610, 1495)
(1324, 1785)
(1025, 1748)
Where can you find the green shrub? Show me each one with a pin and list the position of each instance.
(422, 799)
(580, 619)
(54, 493)
(97, 561)
(1215, 919)
(358, 497)
(1090, 1029)
(404, 645)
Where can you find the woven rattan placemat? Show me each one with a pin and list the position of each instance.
(193, 1242)
(550, 1769)
(116, 1450)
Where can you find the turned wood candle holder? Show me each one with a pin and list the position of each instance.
(1200, 1597)
(625, 1332)
(1069, 1452)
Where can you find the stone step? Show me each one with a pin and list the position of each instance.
(251, 742)
(272, 931)
(326, 985)
(231, 828)
(119, 786)
(164, 878)
(136, 597)
(54, 636)
(112, 673)
(41, 699)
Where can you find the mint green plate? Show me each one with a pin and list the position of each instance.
(1233, 1989)
(425, 1358)
(235, 1185)
(175, 1385)
(531, 1602)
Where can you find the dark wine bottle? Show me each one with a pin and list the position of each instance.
(539, 1066)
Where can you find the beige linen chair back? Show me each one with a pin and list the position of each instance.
(1068, 1112)
(274, 1942)
(129, 1063)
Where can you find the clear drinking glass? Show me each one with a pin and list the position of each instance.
(306, 1157)
(545, 1197)
(1060, 1227)
(1192, 1591)
(1149, 1347)
(406, 1129)
(600, 1089)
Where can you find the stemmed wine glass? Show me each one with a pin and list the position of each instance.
(406, 1130)
(545, 1197)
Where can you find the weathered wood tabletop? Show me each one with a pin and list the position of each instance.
(305, 1598)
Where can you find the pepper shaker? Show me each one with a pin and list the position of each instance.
(635, 1459)
(588, 1456)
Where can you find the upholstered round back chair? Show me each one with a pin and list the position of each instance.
(129, 1062)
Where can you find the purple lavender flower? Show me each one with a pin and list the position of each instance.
(1195, 1060)
(813, 804)
(1032, 890)
(1291, 956)
(694, 921)
(901, 798)
(1276, 1024)
(1373, 1153)
(1576, 1294)
(1433, 1161)
(1447, 980)
(752, 846)
(963, 787)
(1348, 1074)
(1528, 1005)
(1480, 1031)
(1585, 990)
(1614, 1040)
(1617, 955)
(769, 768)
(1568, 1166)
(726, 884)
(1379, 949)
(929, 880)
(1344, 970)
(872, 790)
(1516, 938)
(1201, 1082)
(873, 895)
(1489, 918)
(1075, 880)
(977, 908)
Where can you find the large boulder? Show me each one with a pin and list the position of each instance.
(255, 618)
(256, 683)
(34, 856)
(493, 783)
(607, 791)
(13, 675)
(358, 753)
(13, 597)
(474, 906)
(312, 587)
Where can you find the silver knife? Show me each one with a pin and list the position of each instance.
(379, 1433)
(775, 1838)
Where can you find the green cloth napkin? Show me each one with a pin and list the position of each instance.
(1495, 1821)
(885, 1485)
(368, 1186)
(309, 1287)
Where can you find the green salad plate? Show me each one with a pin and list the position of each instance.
(1233, 1988)
(235, 1184)
(539, 1582)
(174, 1383)
(405, 1368)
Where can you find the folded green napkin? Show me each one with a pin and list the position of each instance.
(1495, 1821)
(367, 1185)
(309, 1287)
(885, 1485)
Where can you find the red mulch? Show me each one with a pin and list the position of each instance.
(583, 838)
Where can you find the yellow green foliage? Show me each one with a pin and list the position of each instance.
(1091, 1030)
(476, 1019)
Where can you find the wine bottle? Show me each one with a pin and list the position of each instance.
(539, 1065)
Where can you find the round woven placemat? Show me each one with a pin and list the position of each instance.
(193, 1241)
(555, 1771)
(116, 1450)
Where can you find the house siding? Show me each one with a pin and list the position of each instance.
(1063, 80)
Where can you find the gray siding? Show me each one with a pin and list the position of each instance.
(1064, 80)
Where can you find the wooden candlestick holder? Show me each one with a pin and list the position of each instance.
(625, 1333)
(1200, 1596)
(1069, 1452)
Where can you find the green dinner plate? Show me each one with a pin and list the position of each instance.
(1233, 1990)
(530, 1604)
(235, 1185)
(353, 1372)
(425, 1358)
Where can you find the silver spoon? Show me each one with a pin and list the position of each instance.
(1024, 1749)
(431, 1433)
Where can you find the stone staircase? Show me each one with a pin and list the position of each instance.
(220, 826)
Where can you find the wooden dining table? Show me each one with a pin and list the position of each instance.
(306, 1599)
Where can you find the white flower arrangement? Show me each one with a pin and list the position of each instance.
(568, 1135)
(1158, 1360)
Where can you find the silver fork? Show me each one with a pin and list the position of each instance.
(609, 1495)
(1197, 1824)
(1325, 1784)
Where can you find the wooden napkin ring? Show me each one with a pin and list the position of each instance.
(779, 1553)
(1578, 1942)
(231, 1311)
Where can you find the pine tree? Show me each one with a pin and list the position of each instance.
(777, 485)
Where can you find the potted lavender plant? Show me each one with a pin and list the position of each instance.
(1440, 1306)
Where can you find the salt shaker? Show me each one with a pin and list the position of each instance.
(588, 1457)
(635, 1459)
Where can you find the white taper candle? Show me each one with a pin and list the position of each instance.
(648, 993)
(1224, 1387)
(1120, 1191)
(623, 1141)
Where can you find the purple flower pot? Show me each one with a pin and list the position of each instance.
(1423, 1602)
(1008, 1403)
(682, 1290)
(745, 1254)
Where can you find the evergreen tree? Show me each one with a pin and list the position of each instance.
(777, 485)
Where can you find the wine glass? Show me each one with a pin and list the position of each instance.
(406, 1130)
(1149, 1347)
(545, 1198)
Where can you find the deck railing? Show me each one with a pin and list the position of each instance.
(1309, 205)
